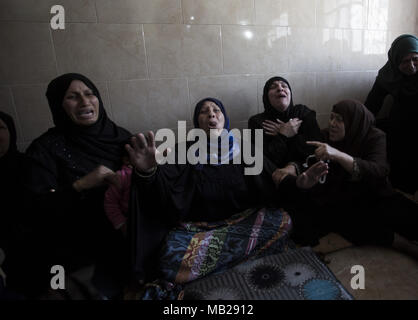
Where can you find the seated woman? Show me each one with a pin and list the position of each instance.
(188, 220)
(17, 243)
(71, 163)
(356, 199)
(286, 127)
(399, 78)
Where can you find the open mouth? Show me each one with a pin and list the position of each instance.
(85, 114)
(212, 124)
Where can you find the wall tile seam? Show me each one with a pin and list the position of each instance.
(182, 11)
(222, 51)
(18, 121)
(210, 24)
(189, 100)
(54, 53)
(147, 66)
(108, 98)
(191, 77)
(96, 12)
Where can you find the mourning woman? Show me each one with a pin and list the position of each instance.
(355, 199)
(71, 164)
(11, 165)
(194, 219)
(399, 79)
(286, 127)
(17, 237)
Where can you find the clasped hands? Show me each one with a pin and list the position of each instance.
(288, 129)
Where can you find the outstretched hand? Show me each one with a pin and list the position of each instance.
(142, 151)
(312, 175)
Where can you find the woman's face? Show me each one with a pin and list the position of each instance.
(409, 64)
(4, 138)
(211, 117)
(336, 127)
(279, 95)
(80, 104)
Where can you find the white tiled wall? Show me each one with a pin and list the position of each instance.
(154, 59)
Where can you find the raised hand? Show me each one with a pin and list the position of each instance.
(324, 151)
(311, 176)
(142, 152)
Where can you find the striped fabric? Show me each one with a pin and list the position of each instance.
(194, 250)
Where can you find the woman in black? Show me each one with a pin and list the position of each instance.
(11, 166)
(399, 78)
(71, 165)
(15, 226)
(204, 192)
(286, 127)
(356, 199)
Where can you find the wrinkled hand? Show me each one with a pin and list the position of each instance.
(271, 128)
(279, 174)
(288, 129)
(142, 152)
(324, 151)
(311, 176)
(94, 179)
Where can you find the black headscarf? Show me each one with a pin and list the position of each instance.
(8, 120)
(10, 166)
(390, 77)
(272, 113)
(103, 141)
(358, 123)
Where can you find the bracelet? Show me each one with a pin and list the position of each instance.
(294, 164)
(148, 174)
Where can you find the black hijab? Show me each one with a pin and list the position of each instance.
(10, 163)
(8, 120)
(102, 142)
(292, 111)
(390, 77)
(358, 123)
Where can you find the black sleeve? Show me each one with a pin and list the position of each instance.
(164, 193)
(308, 131)
(275, 148)
(146, 228)
(41, 179)
(373, 163)
(375, 98)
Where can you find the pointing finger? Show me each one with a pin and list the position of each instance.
(314, 143)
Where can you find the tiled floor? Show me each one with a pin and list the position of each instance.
(388, 274)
